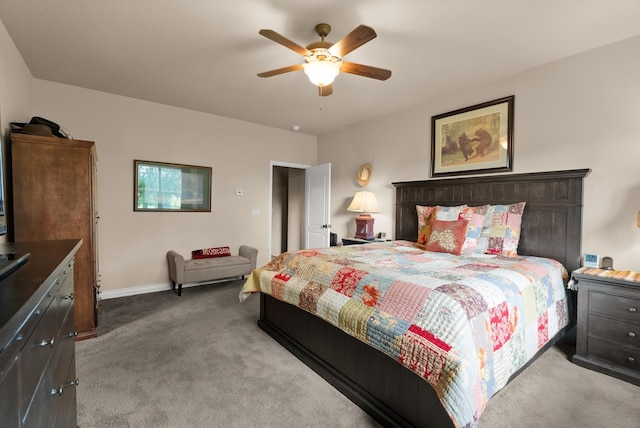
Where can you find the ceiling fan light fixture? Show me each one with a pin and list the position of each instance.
(322, 72)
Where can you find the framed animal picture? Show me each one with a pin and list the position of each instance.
(473, 140)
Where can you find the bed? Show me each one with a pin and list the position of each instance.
(388, 388)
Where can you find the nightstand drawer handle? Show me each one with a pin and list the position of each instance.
(632, 334)
(631, 359)
(633, 309)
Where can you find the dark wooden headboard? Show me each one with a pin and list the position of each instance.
(552, 219)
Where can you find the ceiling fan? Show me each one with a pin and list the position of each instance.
(323, 59)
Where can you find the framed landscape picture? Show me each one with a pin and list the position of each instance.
(161, 186)
(473, 140)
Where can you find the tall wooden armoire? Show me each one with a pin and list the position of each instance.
(53, 188)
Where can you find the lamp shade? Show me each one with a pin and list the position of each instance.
(364, 202)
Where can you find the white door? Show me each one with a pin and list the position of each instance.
(317, 180)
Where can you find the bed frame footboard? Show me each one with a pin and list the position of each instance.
(389, 392)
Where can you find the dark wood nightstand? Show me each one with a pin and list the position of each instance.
(357, 241)
(608, 337)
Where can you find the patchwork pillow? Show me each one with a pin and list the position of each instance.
(449, 213)
(424, 223)
(476, 217)
(447, 236)
(501, 231)
(207, 253)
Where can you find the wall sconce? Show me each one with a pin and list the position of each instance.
(364, 203)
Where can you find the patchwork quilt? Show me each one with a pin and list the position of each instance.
(462, 323)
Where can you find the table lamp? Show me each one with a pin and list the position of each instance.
(364, 202)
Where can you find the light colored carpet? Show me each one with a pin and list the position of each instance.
(200, 361)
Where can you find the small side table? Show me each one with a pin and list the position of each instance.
(608, 337)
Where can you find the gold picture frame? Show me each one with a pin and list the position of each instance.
(473, 140)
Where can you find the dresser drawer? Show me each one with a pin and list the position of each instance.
(42, 344)
(621, 356)
(63, 302)
(65, 347)
(34, 318)
(615, 306)
(55, 390)
(9, 384)
(66, 416)
(619, 332)
(39, 348)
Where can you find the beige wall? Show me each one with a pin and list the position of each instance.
(16, 91)
(580, 112)
(16, 83)
(132, 244)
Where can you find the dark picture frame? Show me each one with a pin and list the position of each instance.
(473, 140)
(170, 187)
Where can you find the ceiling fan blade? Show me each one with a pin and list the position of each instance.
(358, 37)
(278, 38)
(325, 90)
(365, 70)
(280, 70)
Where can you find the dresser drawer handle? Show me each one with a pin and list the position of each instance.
(632, 309)
(68, 296)
(49, 342)
(75, 334)
(631, 359)
(57, 391)
(75, 382)
(632, 334)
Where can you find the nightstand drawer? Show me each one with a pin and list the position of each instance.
(608, 333)
(628, 358)
(618, 307)
(622, 333)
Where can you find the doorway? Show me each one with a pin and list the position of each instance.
(287, 208)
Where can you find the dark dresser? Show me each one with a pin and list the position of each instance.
(608, 337)
(37, 337)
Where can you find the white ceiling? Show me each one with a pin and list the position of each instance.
(204, 54)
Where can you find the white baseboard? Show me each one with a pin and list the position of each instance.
(152, 288)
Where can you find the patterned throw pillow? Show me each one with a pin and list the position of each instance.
(449, 213)
(501, 231)
(424, 223)
(476, 217)
(207, 253)
(447, 236)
